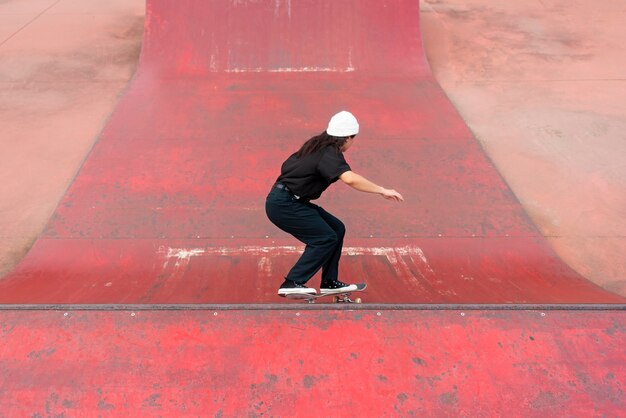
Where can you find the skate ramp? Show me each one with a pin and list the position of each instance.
(168, 206)
(166, 218)
(190, 363)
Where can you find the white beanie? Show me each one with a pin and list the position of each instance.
(343, 124)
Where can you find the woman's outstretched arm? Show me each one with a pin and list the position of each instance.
(362, 184)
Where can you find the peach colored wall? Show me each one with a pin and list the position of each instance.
(542, 84)
(63, 66)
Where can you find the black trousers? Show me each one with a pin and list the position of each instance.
(319, 230)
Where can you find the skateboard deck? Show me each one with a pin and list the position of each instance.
(338, 297)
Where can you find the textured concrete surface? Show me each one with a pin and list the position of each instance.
(63, 65)
(233, 363)
(156, 215)
(540, 83)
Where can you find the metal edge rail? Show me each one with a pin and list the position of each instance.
(314, 307)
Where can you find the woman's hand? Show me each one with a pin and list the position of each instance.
(391, 194)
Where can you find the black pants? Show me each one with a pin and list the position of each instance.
(319, 230)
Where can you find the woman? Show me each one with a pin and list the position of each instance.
(304, 176)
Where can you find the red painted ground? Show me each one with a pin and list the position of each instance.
(313, 363)
(168, 207)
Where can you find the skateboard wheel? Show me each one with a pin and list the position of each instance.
(357, 300)
(336, 299)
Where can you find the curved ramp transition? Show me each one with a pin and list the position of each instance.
(168, 206)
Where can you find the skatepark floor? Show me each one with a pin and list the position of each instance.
(109, 162)
(541, 84)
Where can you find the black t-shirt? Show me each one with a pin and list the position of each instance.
(310, 175)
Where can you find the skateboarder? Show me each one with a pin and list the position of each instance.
(304, 176)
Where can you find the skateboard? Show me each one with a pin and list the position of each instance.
(338, 297)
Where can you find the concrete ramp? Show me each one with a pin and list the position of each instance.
(312, 363)
(152, 290)
(168, 206)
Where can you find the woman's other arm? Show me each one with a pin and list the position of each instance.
(362, 184)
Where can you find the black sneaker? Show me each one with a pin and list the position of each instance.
(336, 287)
(289, 288)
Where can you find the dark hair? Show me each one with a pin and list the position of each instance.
(319, 142)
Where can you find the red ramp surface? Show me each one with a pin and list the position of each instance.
(168, 207)
(313, 363)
